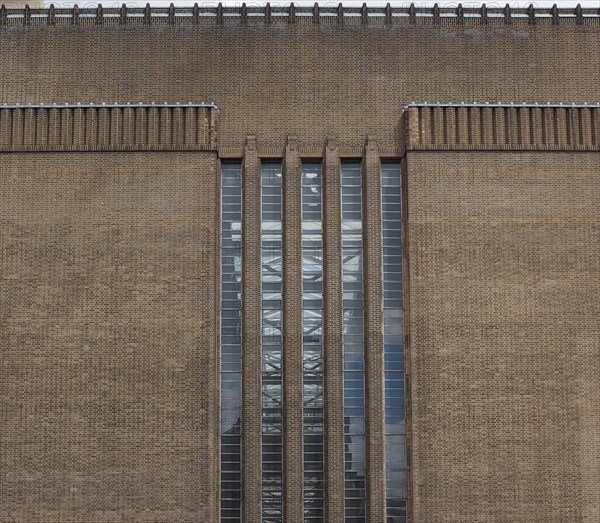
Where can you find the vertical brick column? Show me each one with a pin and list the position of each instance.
(17, 128)
(374, 400)
(536, 119)
(128, 126)
(525, 125)
(595, 123)
(501, 126)
(476, 127)
(426, 127)
(78, 127)
(407, 338)
(29, 127)
(5, 127)
(450, 125)
(116, 129)
(487, 118)
(561, 126)
(333, 330)
(586, 127)
(141, 125)
(462, 125)
(66, 128)
(251, 335)
(213, 411)
(438, 125)
(292, 335)
(41, 127)
(413, 134)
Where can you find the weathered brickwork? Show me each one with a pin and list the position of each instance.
(114, 127)
(373, 289)
(304, 79)
(292, 333)
(502, 127)
(504, 253)
(107, 304)
(252, 330)
(109, 278)
(333, 337)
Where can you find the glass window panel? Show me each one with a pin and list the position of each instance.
(356, 392)
(231, 261)
(354, 503)
(352, 285)
(311, 173)
(271, 244)
(229, 367)
(231, 174)
(271, 194)
(393, 323)
(312, 275)
(271, 173)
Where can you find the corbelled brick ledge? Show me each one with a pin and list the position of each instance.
(502, 127)
(340, 15)
(108, 127)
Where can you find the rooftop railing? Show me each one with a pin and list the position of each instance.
(325, 15)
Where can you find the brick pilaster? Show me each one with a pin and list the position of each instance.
(251, 329)
(373, 334)
(292, 335)
(333, 349)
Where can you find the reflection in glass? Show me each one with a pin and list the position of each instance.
(393, 340)
(353, 342)
(231, 343)
(271, 341)
(312, 340)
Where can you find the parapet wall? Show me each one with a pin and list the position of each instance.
(315, 15)
(280, 71)
(503, 127)
(108, 127)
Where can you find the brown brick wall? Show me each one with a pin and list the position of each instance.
(333, 354)
(293, 466)
(107, 310)
(504, 461)
(504, 253)
(303, 79)
(373, 333)
(252, 330)
(502, 127)
(101, 127)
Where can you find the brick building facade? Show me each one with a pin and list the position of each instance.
(283, 265)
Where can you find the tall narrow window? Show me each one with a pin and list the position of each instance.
(312, 341)
(393, 339)
(231, 342)
(353, 342)
(272, 340)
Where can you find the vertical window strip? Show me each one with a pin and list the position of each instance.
(312, 341)
(393, 340)
(353, 342)
(272, 342)
(231, 341)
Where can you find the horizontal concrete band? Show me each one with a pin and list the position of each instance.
(502, 127)
(296, 15)
(108, 127)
